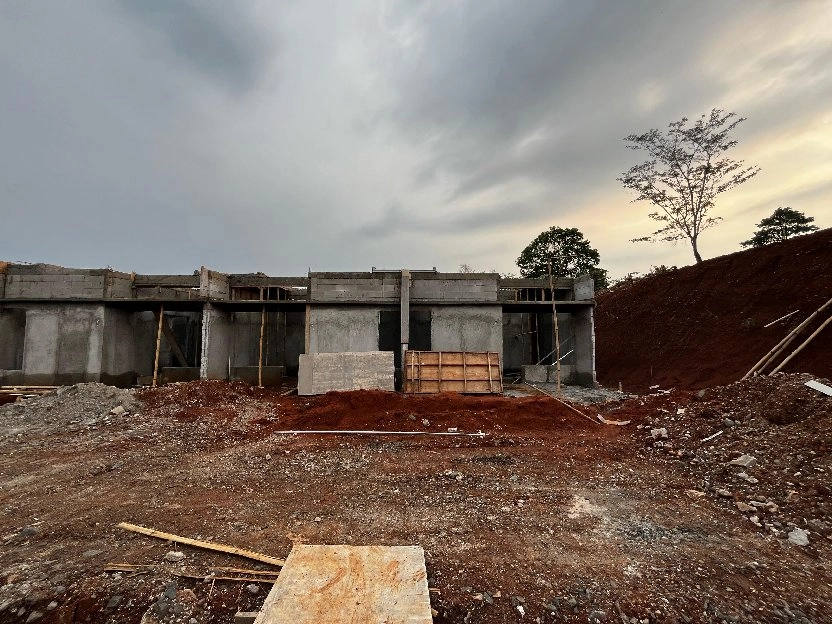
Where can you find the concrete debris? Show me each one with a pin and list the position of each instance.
(745, 477)
(799, 537)
(174, 556)
(746, 461)
(659, 434)
(118, 410)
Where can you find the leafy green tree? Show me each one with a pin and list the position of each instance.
(569, 252)
(685, 172)
(782, 224)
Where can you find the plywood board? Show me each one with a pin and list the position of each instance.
(355, 584)
(428, 372)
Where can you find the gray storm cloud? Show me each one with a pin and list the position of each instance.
(158, 136)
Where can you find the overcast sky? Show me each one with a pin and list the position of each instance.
(157, 136)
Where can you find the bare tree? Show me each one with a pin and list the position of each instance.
(687, 169)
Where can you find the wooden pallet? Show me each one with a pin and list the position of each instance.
(475, 372)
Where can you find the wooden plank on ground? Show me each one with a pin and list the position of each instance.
(355, 584)
(232, 550)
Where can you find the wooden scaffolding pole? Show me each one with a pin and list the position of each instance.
(800, 348)
(158, 344)
(555, 333)
(781, 346)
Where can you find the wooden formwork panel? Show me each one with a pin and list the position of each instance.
(350, 585)
(429, 372)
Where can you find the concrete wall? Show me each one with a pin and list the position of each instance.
(118, 285)
(369, 287)
(213, 284)
(44, 281)
(520, 333)
(384, 287)
(584, 288)
(63, 344)
(118, 358)
(283, 339)
(339, 329)
(467, 328)
(129, 348)
(66, 286)
(517, 341)
(426, 287)
(327, 372)
(12, 332)
(548, 373)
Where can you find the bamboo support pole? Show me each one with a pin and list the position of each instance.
(555, 333)
(781, 346)
(564, 403)
(800, 348)
(158, 344)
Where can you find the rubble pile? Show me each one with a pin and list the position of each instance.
(762, 447)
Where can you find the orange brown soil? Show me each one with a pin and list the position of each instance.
(702, 325)
(549, 514)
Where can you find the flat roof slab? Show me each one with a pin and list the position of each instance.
(350, 584)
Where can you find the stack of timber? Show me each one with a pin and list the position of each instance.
(25, 392)
(475, 372)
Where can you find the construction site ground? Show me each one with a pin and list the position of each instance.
(548, 517)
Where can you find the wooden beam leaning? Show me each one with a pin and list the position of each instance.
(231, 550)
(800, 348)
(781, 346)
(158, 344)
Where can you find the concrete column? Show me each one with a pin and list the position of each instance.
(216, 343)
(584, 330)
(404, 291)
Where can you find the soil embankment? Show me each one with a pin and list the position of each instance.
(703, 325)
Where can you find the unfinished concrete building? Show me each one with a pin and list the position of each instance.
(63, 326)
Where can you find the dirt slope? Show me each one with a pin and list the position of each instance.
(702, 325)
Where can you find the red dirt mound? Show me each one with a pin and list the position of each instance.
(222, 402)
(702, 325)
